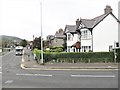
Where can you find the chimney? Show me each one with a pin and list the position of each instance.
(56, 32)
(77, 23)
(108, 9)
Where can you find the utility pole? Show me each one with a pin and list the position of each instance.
(42, 62)
(115, 52)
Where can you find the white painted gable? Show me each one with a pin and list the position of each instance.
(104, 34)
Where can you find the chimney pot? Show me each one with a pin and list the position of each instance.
(108, 9)
(77, 22)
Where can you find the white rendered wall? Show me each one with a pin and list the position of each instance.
(104, 34)
(86, 42)
(75, 38)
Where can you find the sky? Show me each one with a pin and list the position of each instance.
(22, 18)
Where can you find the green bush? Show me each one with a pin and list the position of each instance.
(80, 57)
(74, 57)
(37, 52)
(56, 49)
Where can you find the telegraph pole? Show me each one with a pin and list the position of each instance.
(42, 62)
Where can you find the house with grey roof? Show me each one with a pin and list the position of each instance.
(92, 34)
(73, 38)
(101, 38)
(56, 40)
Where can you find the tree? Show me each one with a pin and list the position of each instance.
(23, 43)
(37, 43)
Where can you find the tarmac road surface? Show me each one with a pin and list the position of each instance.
(15, 77)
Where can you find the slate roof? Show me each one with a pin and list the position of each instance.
(70, 29)
(50, 37)
(60, 34)
(91, 23)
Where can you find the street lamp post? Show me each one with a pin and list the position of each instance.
(42, 62)
(115, 52)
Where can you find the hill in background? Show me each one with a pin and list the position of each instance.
(5, 37)
(8, 39)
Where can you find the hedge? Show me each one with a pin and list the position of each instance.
(37, 52)
(80, 57)
(86, 57)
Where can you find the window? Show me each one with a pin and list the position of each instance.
(86, 34)
(89, 48)
(18, 50)
(110, 48)
(86, 48)
(70, 37)
(89, 34)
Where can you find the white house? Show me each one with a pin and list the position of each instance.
(77, 41)
(95, 34)
(73, 38)
(105, 34)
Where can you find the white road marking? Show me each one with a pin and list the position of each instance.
(9, 81)
(0, 72)
(96, 76)
(44, 75)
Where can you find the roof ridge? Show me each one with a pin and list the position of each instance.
(97, 20)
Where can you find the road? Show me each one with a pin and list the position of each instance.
(15, 77)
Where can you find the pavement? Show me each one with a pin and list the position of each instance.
(28, 62)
